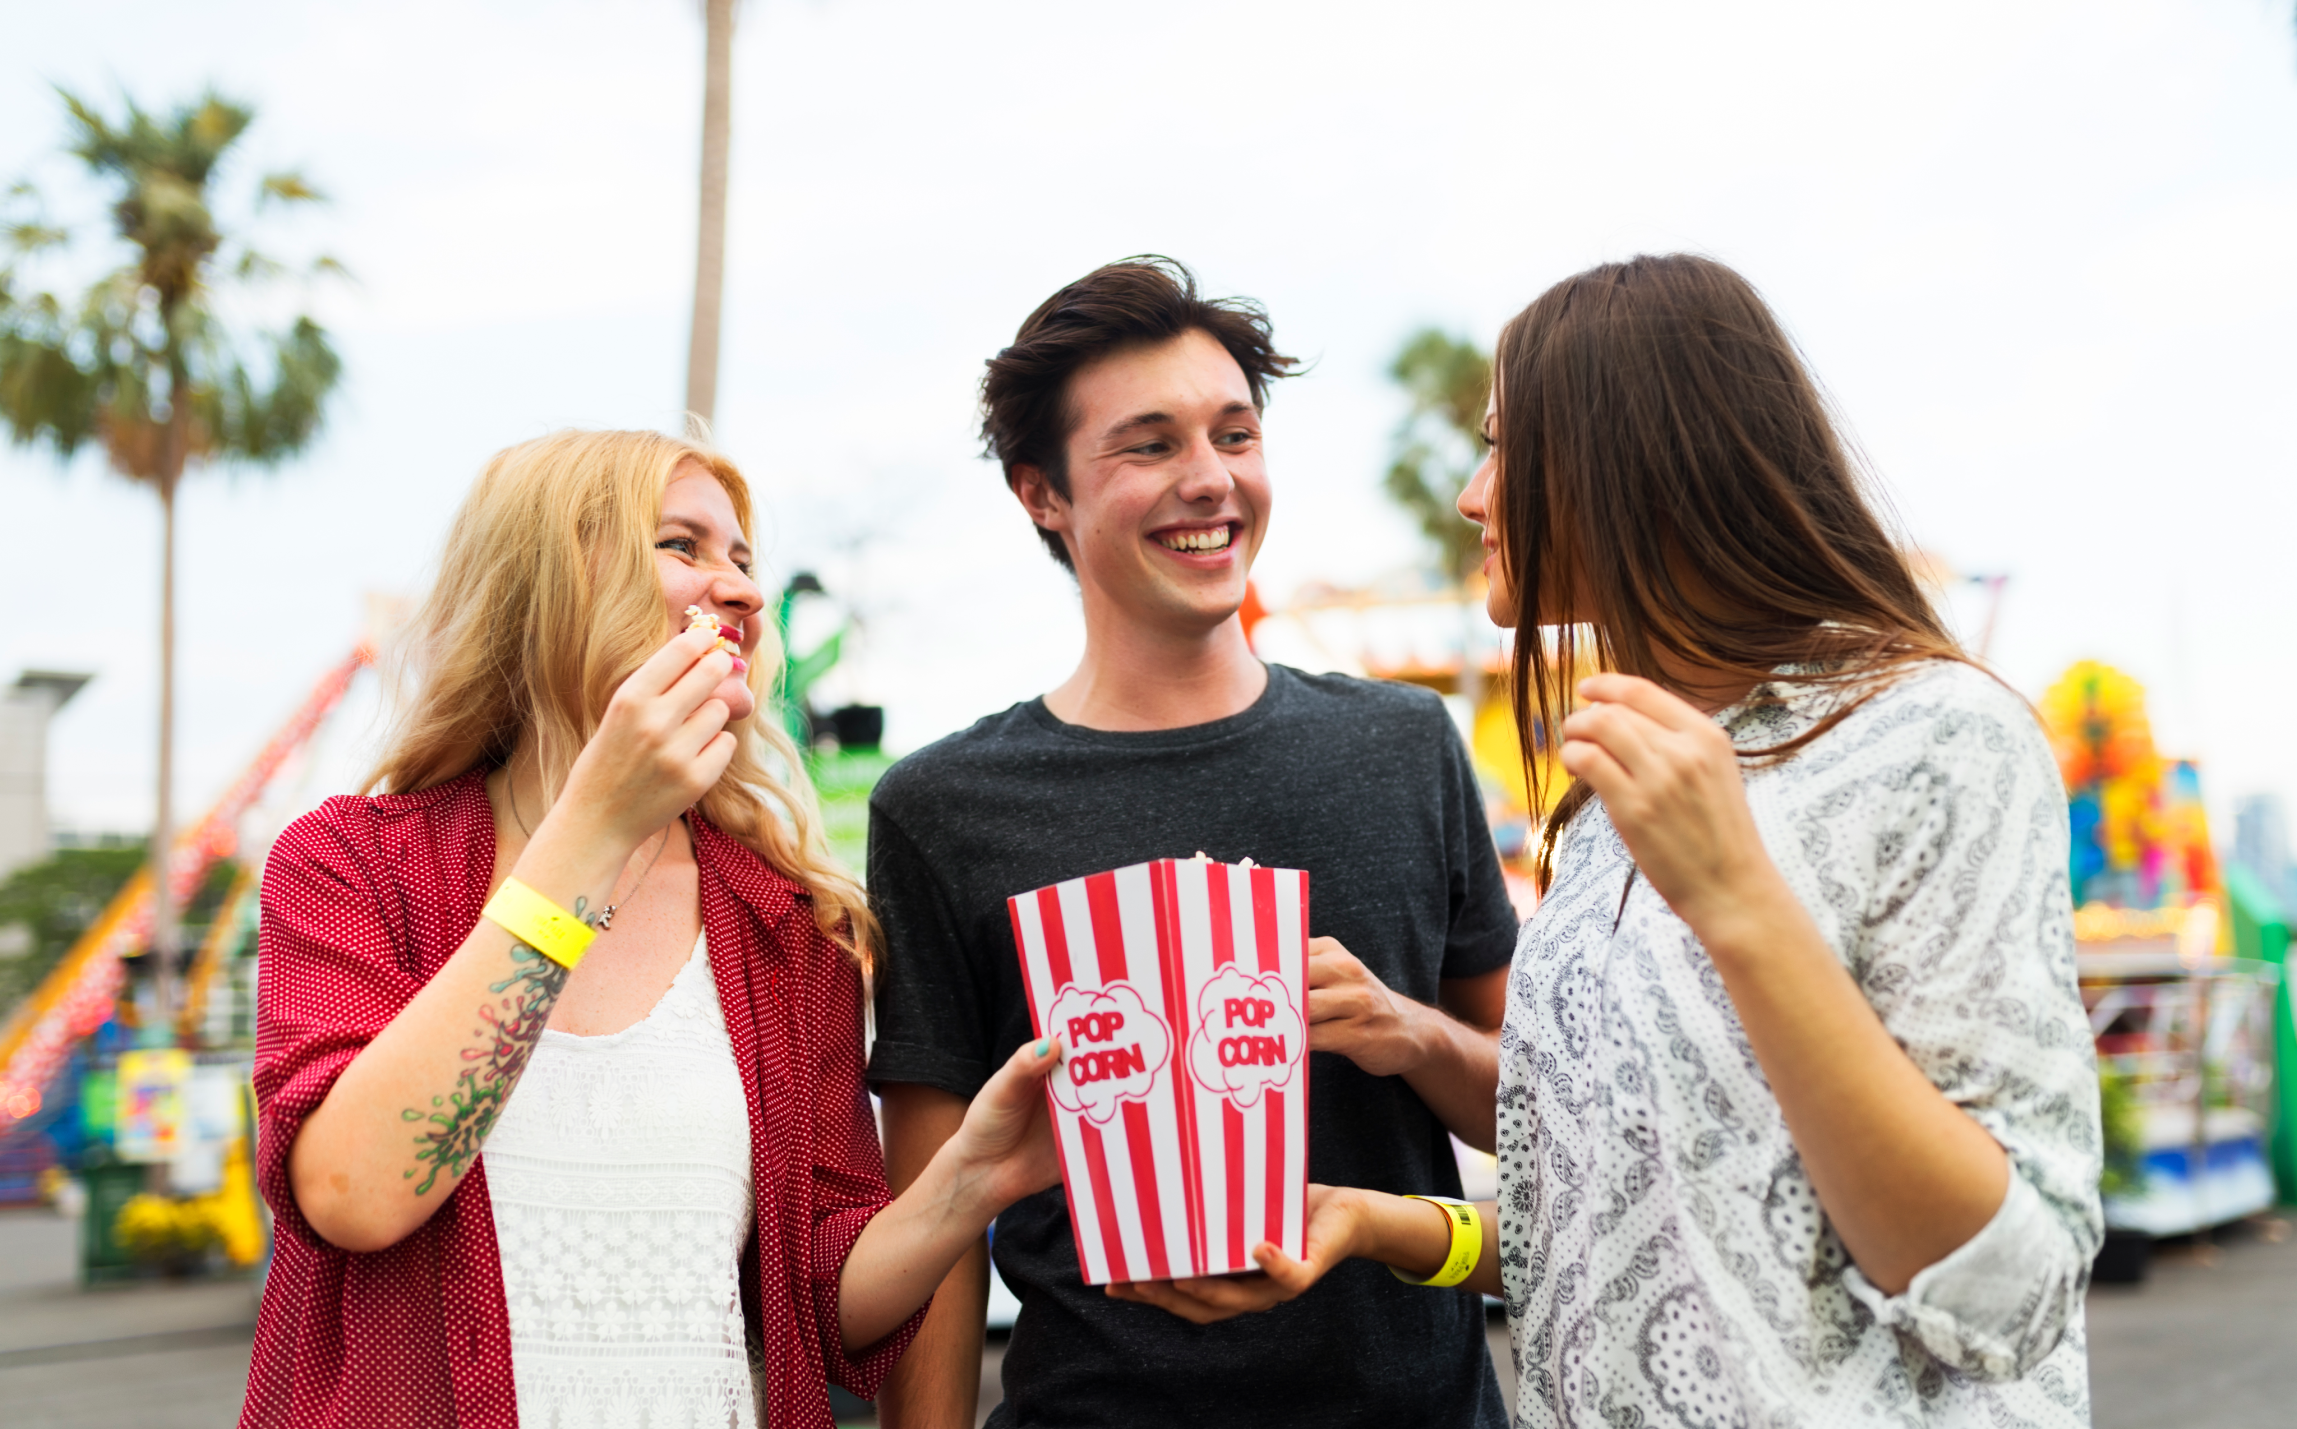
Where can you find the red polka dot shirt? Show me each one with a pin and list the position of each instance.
(363, 901)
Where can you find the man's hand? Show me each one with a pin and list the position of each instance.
(1450, 1056)
(1331, 1237)
(1353, 1013)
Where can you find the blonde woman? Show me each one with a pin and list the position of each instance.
(560, 1030)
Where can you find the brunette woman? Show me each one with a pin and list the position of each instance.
(1797, 1113)
(559, 1044)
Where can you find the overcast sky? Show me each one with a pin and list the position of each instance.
(2041, 256)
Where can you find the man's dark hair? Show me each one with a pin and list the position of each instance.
(1026, 419)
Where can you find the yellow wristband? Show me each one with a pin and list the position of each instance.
(539, 923)
(1467, 1243)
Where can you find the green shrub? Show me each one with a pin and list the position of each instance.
(2124, 1173)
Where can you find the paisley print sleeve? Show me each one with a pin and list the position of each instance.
(1960, 930)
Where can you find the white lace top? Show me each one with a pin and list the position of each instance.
(1666, 1261)
(620, 1179)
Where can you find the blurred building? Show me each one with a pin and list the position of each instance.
(2261, 844)
(25, 709)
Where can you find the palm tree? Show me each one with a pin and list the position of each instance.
(1439, 442)
(710, 244)
(142, 363)
(1437, 448)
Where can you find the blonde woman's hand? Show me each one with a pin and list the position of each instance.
(1005, 1146)
(1669, 779)
(661, 746)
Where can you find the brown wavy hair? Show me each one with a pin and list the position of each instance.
(547, 598)
(1025, 415)
(1669, 474)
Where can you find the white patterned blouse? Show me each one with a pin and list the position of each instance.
(1665, 1260)
(620, 1179)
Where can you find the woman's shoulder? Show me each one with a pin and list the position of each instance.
(1954, 703)
(1935, 719)
(386, 829)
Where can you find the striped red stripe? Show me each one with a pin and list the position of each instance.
(1143, 1152)
(1223, 921)
(1232, 1120)
(1108, 926)
(1097, 1165)
(1232, 1133)
(1264, 931)
(1056, 937)
(1165, 898)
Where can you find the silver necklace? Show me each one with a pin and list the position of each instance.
(606, 914)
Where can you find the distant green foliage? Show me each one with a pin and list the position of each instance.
(844, 781)
(57, 899)
(142, 362)
(2124, 1173)
(1440, 443)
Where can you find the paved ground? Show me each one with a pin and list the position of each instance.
(149, 1356)
(2208, 1342)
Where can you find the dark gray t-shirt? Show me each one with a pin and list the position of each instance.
(1362, 783)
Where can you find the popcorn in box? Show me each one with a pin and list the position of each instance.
(1179, 991)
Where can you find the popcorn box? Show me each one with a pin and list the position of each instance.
(1179, 991)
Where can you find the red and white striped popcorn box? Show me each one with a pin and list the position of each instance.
(1179, 992)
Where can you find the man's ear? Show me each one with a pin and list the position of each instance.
(1046, 507)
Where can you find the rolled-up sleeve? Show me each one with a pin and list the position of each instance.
(328, 984)
(1964, 946)
(1997, 1306)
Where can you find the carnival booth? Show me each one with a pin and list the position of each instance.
(2185, 998)
(135, 1104)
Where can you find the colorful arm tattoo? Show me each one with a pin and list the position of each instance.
(456, 1124)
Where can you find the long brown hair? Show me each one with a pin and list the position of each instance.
(1667, 465)
(547, 598)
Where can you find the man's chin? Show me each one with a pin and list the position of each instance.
(1207, 611)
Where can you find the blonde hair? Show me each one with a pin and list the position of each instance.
(547, 599)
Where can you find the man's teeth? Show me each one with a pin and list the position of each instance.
(1213, 540)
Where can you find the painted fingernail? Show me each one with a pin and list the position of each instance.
(740, 665)
(1044, 1046)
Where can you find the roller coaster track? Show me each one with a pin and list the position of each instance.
(78, 996)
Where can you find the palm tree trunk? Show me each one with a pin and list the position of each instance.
(710, 243)
(164, 939)
(175, 453)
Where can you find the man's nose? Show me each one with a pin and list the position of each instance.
(1204, 476)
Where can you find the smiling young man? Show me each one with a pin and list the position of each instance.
(1126, 415)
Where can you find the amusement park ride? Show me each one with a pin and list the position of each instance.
(83, 992)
